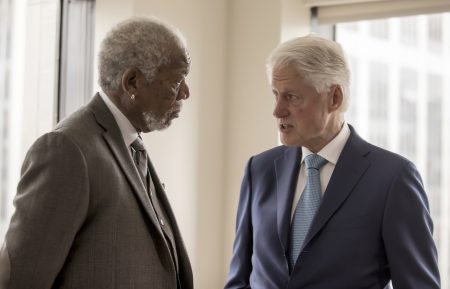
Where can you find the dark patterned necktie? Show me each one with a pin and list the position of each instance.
(140, 158)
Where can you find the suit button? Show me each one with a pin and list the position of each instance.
(161, 221)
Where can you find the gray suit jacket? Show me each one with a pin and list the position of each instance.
(83, 218)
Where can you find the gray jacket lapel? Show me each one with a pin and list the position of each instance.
(115, 142)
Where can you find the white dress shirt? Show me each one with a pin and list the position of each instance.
(128, 131)
(331, 153)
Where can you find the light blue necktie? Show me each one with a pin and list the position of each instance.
(307, 206)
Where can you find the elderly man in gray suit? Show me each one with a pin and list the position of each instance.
(90, 210)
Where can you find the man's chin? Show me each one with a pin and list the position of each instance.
(288, 142)
(153, 123)
(159, 127)
(166, 124)
(163, 128)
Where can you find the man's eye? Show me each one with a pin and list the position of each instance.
(178, 84)
(293, 99)
(175, 86)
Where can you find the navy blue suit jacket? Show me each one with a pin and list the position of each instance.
(373, 224)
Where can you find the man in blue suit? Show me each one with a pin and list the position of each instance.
(327, 210)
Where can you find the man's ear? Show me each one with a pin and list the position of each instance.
(129, 81)
(336, 98)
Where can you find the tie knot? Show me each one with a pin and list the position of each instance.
(314, 161)
(138, 144)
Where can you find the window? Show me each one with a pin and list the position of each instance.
(5, 105)
(408, 30)
(435, 32)
(408, 113)
(32, 42)
(433, 167)
(29, 33)
(400, 101)
(77, 55)
(378, 101)
(379, 29)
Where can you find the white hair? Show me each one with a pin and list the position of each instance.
(321, 61)
(142, 43)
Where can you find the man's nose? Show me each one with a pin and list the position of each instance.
(280, 109)
(184, 91)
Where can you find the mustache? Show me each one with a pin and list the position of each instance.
(176, 108)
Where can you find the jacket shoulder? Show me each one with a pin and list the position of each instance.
(378, 154)
(269, 156)
(81, 126)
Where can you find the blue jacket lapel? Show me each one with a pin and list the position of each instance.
(350, 167)
(286, 170)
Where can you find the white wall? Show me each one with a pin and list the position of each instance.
(228, 117)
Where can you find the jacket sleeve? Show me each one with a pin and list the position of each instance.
(5, 267)
(50, 207)
(407, 233)
(241, 265)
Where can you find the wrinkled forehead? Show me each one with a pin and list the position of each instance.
(178, 66)
(180, 59)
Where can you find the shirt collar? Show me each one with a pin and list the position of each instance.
(128, 131)
(333, 149)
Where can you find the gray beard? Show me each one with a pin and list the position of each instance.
(155, 122)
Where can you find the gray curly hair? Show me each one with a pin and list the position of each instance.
(321, 61)
(142, 43)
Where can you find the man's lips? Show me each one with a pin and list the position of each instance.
(284, 126)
